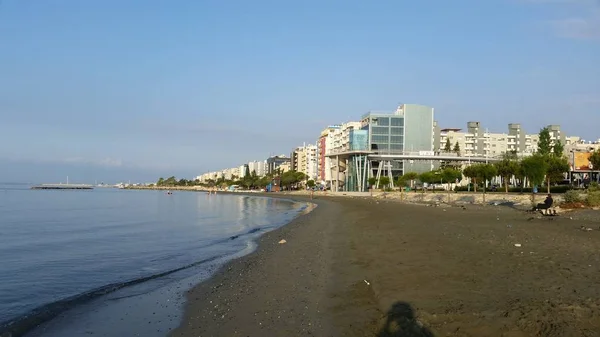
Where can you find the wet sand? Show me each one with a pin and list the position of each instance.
(365, 267)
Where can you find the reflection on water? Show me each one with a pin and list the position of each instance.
(57, 244)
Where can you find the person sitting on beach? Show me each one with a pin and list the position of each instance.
(546, 205)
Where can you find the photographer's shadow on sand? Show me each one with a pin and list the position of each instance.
(401, 322)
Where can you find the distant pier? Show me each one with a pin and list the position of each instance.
(62, 187)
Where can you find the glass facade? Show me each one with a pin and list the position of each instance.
(408, 130)
(386, 133)
(359, 140)
(418, 133)
(419, 127)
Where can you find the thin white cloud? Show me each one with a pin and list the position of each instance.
(584, 28)
(583, 25)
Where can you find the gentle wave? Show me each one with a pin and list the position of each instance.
(23, 324)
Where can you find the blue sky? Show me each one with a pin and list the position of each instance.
(117, 90)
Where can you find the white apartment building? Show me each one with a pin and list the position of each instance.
(304, 159)
(341, 138)
(576, 144)
(204, 178)
(242, 170)
(231, 173)
(285, 167)
(235, 172)
(476, 141)
(260, 167)
(325, 144)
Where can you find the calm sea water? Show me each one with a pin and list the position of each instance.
(61, 250)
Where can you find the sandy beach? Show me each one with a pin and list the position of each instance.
(368, 267)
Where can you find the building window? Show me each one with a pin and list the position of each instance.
(379, 139)
(397, 121)
(396, 139)
(396, 147)
(397, 131)
(384, 121)
(379, 147)
(380, 130)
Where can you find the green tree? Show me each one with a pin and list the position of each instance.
(520, 175)
(384, 181)
(450, 175)
(558, 149)
(262, 182)
(251, 180)
(160, 182)
(486, 172)
(411, 177)
(544, 142)
(372, 181)
(428, 178)
(456, 149)
(557, 166)
(171, 181)
(290, 178)
(448, 146)
(507, 168)
(300, 176)
(401, 181)
(595, 161)
(310, 183)
(534, 169)
(471, 173)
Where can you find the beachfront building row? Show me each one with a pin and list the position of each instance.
(476, 140)
(392, 143)
(343, 149)
(272, 164)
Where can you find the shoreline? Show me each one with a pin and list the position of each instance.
(87, 299)
(351, 264)
(267, 244)
(413, 197)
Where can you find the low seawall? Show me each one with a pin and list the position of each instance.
(444, 197)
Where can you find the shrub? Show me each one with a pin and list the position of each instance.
(541, 190)
(572, 196)
(593, 199)
(594, 187)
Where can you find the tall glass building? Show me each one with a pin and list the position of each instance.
(408, 130)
